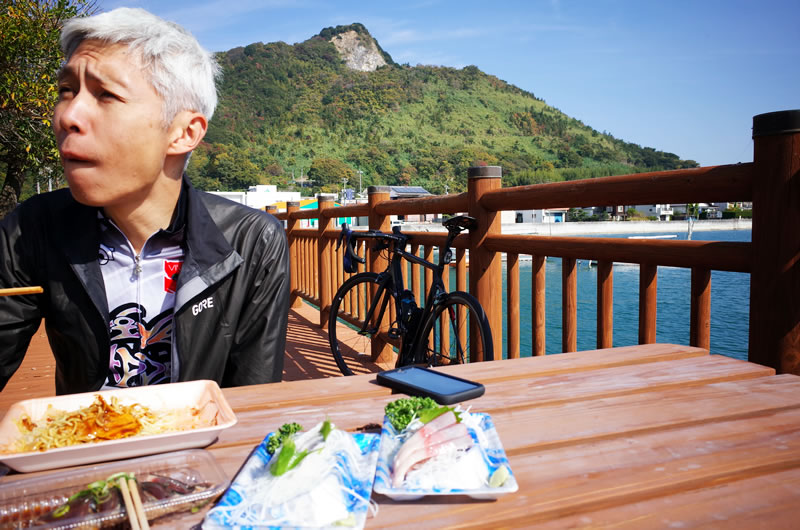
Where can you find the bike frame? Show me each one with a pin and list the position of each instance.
(388, 285)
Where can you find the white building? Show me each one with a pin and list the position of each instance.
(704, 210)
(260, 196)
(552, 215)
(662, 211)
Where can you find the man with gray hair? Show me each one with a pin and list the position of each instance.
(146, 280)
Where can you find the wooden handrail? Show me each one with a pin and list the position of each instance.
(772, 258)
(425, 205)
(353, 210)
(305, 214)
(707, 184)
(717, 255)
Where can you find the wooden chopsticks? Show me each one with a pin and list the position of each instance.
(11, 291)
(133, 503)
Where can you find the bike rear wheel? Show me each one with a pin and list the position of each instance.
(447, 334)
(352, 350)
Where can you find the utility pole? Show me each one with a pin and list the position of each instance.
(359, 181)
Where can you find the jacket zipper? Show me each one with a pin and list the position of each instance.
(137, 271)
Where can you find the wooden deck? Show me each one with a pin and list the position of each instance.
(308, 356)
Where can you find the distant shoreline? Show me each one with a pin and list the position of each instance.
(604, 227)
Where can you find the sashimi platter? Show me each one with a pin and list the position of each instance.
(324, 477)
(428, 449)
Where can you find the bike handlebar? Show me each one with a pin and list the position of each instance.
(455, 225)
(351, 258)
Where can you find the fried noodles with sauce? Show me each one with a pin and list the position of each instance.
(102, 421)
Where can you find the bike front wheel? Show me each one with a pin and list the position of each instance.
(352, 347)
(449, 338)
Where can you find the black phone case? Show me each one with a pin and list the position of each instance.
(385, 379)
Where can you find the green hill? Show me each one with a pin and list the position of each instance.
(287, 111)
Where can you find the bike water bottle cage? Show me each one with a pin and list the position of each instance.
(350, 260)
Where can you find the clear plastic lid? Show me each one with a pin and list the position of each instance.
(168, 483)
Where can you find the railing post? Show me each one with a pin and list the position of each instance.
(324, 251)
(605, 304)
(775, 277)
(700, 311)
(381, 350)
(512, 305)
(648, 302)
(485, 266)
(569, 305)
(538, 291)
(294, 253)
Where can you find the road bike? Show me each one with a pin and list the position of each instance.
(438, 333)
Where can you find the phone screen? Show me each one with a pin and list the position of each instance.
(428, 379)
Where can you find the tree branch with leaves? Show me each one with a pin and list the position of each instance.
(30, 56)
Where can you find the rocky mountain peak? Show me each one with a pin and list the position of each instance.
(357, 48)
(359, 52)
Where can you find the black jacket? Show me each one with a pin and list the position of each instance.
(236, 256)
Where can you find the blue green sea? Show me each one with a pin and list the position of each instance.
(730, 303)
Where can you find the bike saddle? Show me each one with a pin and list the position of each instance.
(461, 222)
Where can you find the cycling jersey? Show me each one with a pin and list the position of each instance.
(141, 298)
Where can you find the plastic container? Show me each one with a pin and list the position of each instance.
(23, 501)
(197, 394)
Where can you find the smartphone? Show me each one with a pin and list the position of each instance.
(442, 388)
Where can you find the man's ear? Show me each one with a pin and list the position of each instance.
(187, 131)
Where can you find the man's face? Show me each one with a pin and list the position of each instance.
(109, 127)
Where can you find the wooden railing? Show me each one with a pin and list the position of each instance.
(771, 182)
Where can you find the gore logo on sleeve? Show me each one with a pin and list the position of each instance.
(203, 304)
(171, 270)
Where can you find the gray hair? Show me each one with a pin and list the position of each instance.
(181, 71)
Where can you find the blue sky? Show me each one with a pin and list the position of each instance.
(680, 76)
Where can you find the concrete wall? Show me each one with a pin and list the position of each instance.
(606, 227)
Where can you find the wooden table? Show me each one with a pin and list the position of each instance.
(657, 436)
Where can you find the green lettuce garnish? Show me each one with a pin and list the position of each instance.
(286, 431)
(402, 411)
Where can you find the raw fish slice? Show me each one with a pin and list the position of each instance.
(417, 439)
(450, 432)
(454, 437)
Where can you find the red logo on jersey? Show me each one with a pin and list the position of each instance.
(171, 270)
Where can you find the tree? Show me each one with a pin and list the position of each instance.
(233, 169)
(29, 58)
(327, 173)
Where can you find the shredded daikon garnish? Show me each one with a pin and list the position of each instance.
(453, 468)
(322, 490)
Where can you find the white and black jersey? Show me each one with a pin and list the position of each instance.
(141, 301)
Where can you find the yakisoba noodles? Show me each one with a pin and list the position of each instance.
(102, 421)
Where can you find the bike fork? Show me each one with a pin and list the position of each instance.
(454, 330)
